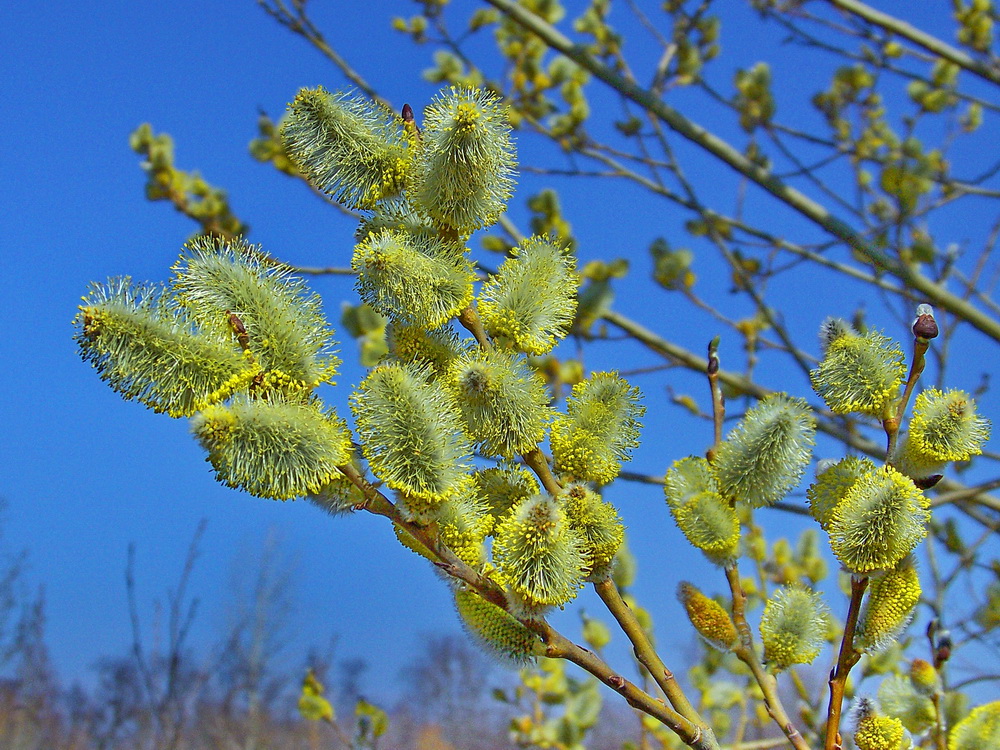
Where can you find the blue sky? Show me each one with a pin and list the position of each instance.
(86, 474)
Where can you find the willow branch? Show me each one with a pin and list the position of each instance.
(717, 147)
(559, 647)
(747, 654)
(921, 38)
(846, 660)
(644, 650)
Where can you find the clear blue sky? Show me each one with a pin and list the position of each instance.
(84, 474)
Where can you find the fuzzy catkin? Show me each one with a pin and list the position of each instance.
(463, 174)
(411, 432)
(149, 350)
(285, 326)
(273, 448)
(764, 457)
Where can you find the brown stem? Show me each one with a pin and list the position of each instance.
(644, 650)
(718, 401)
(746, 653)
(892, 424)
(537, 462)
(846, 660)
(559, 647)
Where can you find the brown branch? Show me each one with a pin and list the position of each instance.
(846, 660)
(746, 653)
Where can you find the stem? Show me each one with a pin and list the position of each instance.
(644, 650)
(892, 424)
(470, 320)
(747, 654)
(846, 660)
(559, 647)
(537, 462)
(718, 401)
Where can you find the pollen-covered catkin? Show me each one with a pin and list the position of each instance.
(285, 326)
(272, 447)
(411, 432)
(598, 430)
(347, 147)
(858, 373)
(765, 455)
(880, 520)
(530, 301)
(793, 627)
(496, 630)
(708, 617)
(540, 556)
(463, 172)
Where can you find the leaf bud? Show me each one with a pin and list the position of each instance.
(925, 327)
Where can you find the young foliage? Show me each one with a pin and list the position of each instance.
(512, 307)
(599, 429)
(764, 457)
(148, 349)
(349, 148)
(272, 447)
